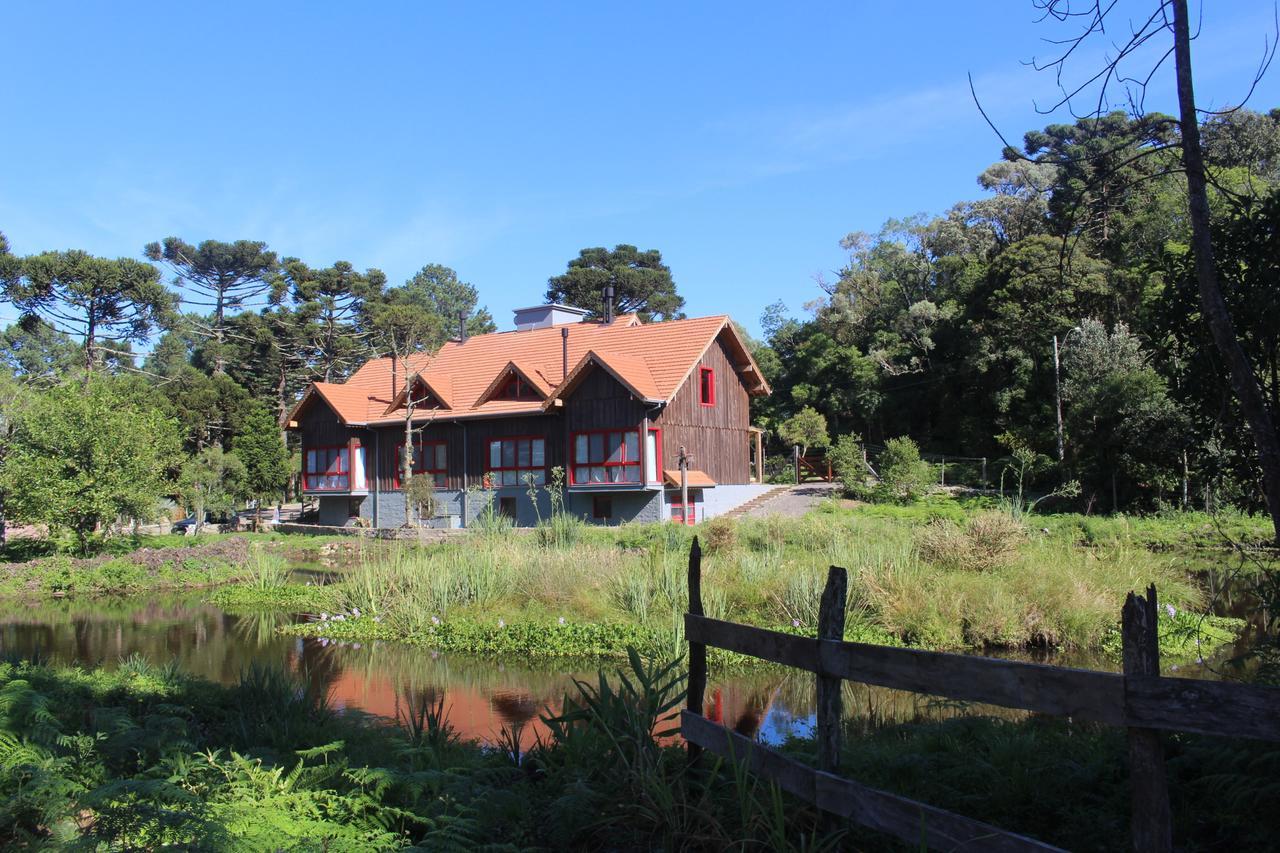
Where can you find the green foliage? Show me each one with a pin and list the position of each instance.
(211, 482)
(92, 297)
(806, 428)
(437, 288)
(849, 465)
(904, 476)
(80, 457)
(262, 453)
(642, 283)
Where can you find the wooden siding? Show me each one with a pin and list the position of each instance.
(478, 434)
(601, 402)
(717, 436)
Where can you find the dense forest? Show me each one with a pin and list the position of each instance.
(1067, 286)
(943, 327)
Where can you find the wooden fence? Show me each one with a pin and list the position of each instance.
(1139, 699)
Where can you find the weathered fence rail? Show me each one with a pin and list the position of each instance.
(1139, 699)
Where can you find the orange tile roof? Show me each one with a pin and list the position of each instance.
(654, 359)
(697, 479)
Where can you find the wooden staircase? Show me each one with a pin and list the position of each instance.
(755, 503)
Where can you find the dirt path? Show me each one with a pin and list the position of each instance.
(796, 501)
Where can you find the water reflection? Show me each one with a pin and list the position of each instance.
(481, 698)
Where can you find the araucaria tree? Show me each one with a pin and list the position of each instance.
(219, 279)
(437, 289)
(331, 303)
(642, 283)
(93, 298)
(79, 458)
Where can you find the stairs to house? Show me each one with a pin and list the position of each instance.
(756, 502)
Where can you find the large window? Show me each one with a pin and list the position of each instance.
(706, 386)
(328, 469)
(513, 459)
(606, 456)
(429, 457)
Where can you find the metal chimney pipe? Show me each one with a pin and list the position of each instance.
(608, 303)
(564, 353)
(462, 326)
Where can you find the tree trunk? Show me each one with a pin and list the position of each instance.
(1214, 306)
(406, 458)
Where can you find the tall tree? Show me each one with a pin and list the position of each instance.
(221, 279)
(92, 298)
(1170, 17)
(261, 450)
(437, 288)
(333, 300)
(642, 283)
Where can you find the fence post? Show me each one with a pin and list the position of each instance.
(984, 472)
(830, 627)
(795, 460)
(697, 651)
(1150, 821)
(944, 471)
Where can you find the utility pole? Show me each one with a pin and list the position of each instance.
(1057, 396)
(684, 483)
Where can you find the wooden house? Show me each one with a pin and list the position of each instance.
(608, 403)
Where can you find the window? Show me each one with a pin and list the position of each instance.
(429, 457)
(328, 469)
(601, 508)
(517, 389)
(706, 386)
(507, 508)
(678, 513)
(608, 456)
(512, 459)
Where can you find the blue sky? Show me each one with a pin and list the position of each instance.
(741, 140)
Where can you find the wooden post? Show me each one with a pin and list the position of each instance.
(831, 627)
(944, 471)
(1150, 820)
(984, 472)
(697, 651)
(795, 460)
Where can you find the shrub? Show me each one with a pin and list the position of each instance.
(989, 540)
(904, 476)
(720, 535)
(847, 461)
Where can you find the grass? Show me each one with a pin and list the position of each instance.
(935, 575)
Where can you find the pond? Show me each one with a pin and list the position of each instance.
(482, 696)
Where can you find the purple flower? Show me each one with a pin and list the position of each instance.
(1171, 610)
(502, 624)
(377, 619)
(561, 620)
(339, 618)
(324, 617)
(795, 623)
(435, 620)
(355, 611)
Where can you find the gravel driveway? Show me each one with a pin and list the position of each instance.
(796, 501)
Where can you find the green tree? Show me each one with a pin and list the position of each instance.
(220, 279)
(806, 428)
(848, 462)
(437, 288)
(34, 351)
(211, 482)
(89, 297)
(81, 457)
(261, 450)
(642, 283)
(1122, 427)
(331, 302)
(209, 410)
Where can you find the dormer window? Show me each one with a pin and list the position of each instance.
(516, 388)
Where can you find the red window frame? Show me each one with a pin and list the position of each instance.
(707, 386)
(309, 476)
(539, 471)
(657, 453)
(688, 520)
(604, 463)
(602, 507)
(439, 474)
